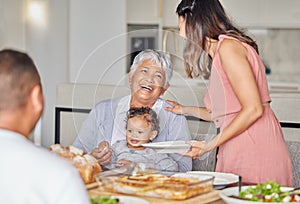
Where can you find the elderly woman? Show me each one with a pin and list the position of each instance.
(149, 78)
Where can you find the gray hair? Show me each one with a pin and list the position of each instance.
(159, 58)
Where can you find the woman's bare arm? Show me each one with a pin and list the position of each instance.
(199, 112)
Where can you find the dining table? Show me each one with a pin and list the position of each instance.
(211, 197)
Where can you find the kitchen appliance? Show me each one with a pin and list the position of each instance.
(140, 37)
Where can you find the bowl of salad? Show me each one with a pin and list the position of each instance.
(268, 192)
(117, 200)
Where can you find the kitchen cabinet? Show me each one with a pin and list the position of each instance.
(169, 16)
(246, 13)
(264, 13)
(160, 12)
(142, 11)
(281, 14)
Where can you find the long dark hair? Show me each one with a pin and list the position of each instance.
(205, 19)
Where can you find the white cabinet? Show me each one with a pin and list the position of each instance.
(243, 12)
(161, 12)
(264, 13)
(142, 11)
(246, 13)
(169, 16)
(281, 13)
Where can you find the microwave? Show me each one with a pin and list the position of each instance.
(140, 37)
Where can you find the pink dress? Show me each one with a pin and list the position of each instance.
(259, 153)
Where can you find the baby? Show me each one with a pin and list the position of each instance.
(142, 127)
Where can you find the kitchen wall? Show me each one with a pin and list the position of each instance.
(280, 51)
(12, 29)
(78, 41)
(97, 41)
(45, 38)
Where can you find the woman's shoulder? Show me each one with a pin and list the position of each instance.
(228, 41)
(228, 45)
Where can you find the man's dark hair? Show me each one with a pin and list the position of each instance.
(18, 75)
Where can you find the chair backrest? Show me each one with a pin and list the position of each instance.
(294, 149)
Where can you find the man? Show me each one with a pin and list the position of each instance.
(149, 78)
(29, 174)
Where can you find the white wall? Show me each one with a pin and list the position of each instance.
(97, 41)
(12, 28)
(46, 43)
(72, 30)
(49, 47)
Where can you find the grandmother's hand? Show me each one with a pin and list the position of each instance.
(176, 107)
(102, 153)
(198, 148)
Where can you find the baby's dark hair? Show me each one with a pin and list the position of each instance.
(148, 114)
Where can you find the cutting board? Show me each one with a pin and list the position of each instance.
(209, 197)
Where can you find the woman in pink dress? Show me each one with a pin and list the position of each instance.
(250, 140)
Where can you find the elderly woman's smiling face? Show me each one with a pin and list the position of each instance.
(147, 84)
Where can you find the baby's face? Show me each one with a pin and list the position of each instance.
(138, 132)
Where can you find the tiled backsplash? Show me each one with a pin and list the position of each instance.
(280, 51)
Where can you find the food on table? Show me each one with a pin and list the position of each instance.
(86, 164)
(104, 200)
(158, 185)
(269, 191)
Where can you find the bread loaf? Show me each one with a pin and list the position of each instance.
(86, 164)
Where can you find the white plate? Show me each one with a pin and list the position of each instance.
(200, 177)
(168, 147)
(221, 179)
(131, 200)
(225, 193)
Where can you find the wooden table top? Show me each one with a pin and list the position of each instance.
(211, 197)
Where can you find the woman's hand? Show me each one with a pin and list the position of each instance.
(102, 153)
(198, 148)
(176, 107)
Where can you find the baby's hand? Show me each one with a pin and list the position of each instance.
(123, 163)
